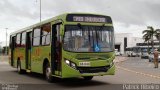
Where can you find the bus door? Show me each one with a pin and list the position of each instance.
(28, 50)
(13, 43)
(56, 50)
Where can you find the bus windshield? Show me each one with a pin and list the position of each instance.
(88, 38)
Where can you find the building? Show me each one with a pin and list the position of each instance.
(124, 40)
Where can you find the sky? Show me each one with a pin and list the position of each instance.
(129, 16)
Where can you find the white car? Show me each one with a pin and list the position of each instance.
(151, 57)
(117, 53)
(144, 55)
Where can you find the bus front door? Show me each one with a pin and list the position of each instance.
(28, 50)
(56, 50)
(13, 43)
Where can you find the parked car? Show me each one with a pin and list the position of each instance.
(151, 57)
(144, 54)
(117, 53)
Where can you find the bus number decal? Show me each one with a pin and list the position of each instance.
(37, 52)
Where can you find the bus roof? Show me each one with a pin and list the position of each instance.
(59, 17)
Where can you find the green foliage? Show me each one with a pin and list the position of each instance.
(149, 34)
(5, 50)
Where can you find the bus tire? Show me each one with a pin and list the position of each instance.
(48, 73)
(88, 78)
(19, 70)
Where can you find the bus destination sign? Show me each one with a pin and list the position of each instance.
(88, 18)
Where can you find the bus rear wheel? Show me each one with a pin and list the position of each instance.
(19, 70)
(48, 73)
(88, 78)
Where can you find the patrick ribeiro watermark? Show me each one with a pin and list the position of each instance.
(9, 87)
(141, 86)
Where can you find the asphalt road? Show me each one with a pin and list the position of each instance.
(131, 71)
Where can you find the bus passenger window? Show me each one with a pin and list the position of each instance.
(36, 37)
(18, 40)
(23, 43)
(46, 31)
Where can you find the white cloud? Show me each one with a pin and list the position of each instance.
(128, 15)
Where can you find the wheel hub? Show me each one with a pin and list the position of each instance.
(48, 72)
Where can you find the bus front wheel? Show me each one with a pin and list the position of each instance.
(48, 73)
(88, 78)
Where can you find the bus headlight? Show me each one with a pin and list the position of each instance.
(71, 64)
(67, 62)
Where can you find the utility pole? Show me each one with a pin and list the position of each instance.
(40, 10)
(0, 48)
(6, 40)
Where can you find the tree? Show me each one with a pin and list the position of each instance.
(149, 35)
(158, 36)
(146, 39)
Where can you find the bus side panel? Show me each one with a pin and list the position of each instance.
(16, 56)
(19, 54)
(45, 53)
(22, 57)
(35, 57)
(38, 55)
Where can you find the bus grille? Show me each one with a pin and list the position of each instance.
(93, 69)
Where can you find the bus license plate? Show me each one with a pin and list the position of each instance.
(84, 64)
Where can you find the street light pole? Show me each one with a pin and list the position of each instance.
(6, 41)
(40, 6)
(40, 10)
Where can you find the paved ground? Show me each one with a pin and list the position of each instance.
(132, 70)
(142, 66)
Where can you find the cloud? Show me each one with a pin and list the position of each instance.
(17, 9)
(127, 15)
(137, 12)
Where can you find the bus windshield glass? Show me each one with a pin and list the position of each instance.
(88, 38)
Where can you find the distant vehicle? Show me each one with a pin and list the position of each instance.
(117, 53)
(151, 57)
(144, 53)
(133, 51)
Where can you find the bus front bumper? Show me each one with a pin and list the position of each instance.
(70, 72)
(110, 71)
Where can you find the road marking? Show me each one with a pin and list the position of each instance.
(145, 74)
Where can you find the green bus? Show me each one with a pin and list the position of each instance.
(66, 46)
